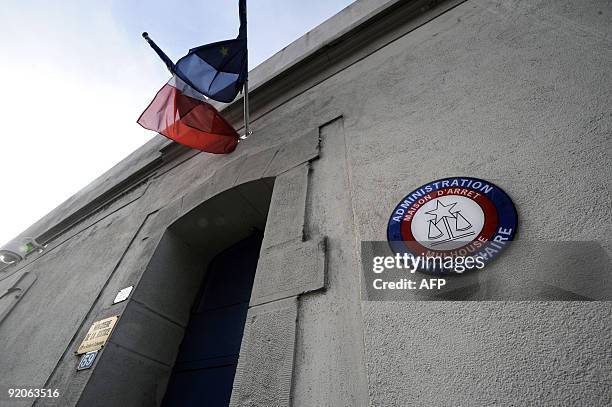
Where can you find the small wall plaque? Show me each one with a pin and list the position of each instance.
(87, 360)
(123, 294)
(97, 335)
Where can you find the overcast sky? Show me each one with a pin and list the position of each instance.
(77, 74)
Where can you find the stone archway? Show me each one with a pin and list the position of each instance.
(154, 322)
(135, 364)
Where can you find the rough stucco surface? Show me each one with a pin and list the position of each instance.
(517, 94)
(503, 354)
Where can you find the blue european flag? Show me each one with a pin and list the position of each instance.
(216, 70)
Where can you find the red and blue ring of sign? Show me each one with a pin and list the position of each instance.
(498, 228)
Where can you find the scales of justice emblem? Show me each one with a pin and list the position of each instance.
(447, 224)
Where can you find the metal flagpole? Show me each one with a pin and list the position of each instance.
(245, 98)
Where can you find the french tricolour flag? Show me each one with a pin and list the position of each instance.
(183, 115)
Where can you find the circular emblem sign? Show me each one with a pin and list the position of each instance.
(458, 216)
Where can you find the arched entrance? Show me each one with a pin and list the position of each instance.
(224, 236)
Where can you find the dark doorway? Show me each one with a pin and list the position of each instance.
(204, 370)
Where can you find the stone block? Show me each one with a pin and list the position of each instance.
(289, 270)
(163, 218)
(148, 334)
(295, 152)
(287, 207)
(265, 367)
(256, 165)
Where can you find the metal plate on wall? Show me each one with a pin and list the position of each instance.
(123, 294)
(87, 360)
(97, 335)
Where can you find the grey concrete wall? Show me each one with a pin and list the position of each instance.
(36, 332)
(514, 92)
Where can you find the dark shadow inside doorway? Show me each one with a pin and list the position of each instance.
(224, 236)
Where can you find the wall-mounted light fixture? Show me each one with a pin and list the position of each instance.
(18, 250)
(8, 258)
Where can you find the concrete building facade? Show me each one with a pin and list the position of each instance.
(381, 98)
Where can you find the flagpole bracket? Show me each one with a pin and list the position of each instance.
(246, 135)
